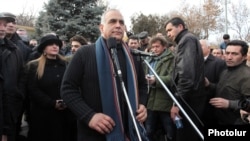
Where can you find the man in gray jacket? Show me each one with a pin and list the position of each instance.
(232, 86)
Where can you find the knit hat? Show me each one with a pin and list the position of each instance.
(47, 40)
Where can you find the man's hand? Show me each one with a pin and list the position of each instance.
(245, 116)
(60, 105)
(141, 113)
(219, 102)
(102, 123)
(174, 112)
(207, 83)
(4, 138)
(150, 79)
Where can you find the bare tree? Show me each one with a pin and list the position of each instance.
(27, 18)
(202, 19)
(240, 20)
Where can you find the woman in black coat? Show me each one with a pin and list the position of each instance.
(50, 119)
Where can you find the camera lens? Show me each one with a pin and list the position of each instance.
(244, 104)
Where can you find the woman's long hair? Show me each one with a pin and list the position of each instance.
(41, 61)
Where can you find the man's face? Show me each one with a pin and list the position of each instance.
(144, 41)
(226, 40)
(157, 48)
(22, 32)
(133, 43)
(11, 28)
(173, 31)
(33, 43)
(217, 53)
(75, 45)
(233, 56)
(113, 25)
(3, 24)
(205, 48)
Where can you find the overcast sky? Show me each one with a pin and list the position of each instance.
(127, 7)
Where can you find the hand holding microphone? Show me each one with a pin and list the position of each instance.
(151, 79)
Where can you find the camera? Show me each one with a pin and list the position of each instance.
(244, 104)
(62, 104)
(149, 76)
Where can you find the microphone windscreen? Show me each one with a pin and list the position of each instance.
(111, 42)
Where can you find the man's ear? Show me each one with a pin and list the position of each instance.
(101, 27)
(244, 57)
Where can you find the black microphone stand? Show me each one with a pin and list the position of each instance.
(174, 99)
(119, 74)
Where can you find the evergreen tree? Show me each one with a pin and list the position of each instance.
(150, 23)
(70, 17)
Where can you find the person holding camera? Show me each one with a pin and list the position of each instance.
(245, 116)
(159, 102)
(50, 119)
(233, 85)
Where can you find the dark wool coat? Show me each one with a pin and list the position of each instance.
(213, 68)
(46, 122)
(25, 49)
(11, 87)
(81, 91)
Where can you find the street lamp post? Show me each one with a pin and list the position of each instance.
(226, 28)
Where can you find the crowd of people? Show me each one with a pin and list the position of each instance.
(103, 91)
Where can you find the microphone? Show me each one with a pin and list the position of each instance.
(142, 53)
(111, 42)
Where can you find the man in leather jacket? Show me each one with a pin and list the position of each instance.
(188, 79)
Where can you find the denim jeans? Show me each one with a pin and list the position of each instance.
(159, 119)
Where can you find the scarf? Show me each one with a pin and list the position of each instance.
(109, 93)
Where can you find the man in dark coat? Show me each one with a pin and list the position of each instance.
(213, 68)
(11, 72)
(92, 90)
(188, 77)
(12, 35)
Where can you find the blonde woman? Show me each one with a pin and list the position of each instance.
(50, 119)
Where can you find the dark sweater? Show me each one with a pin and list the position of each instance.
(81, 92)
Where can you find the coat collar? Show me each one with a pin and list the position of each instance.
(180, 35)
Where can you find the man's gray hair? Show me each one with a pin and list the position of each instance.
(105, 13)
